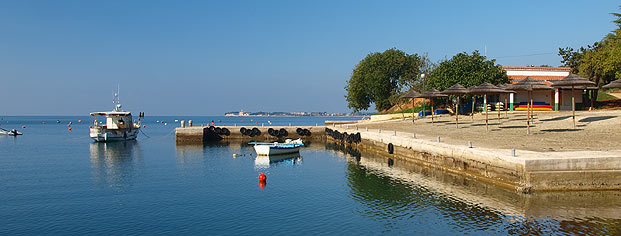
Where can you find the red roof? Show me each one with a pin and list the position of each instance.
(537, 77)
(536, 68)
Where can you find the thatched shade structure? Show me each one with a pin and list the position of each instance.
(529, 84)
(411, 94)
(613, 84)
(573, 80)
(432, 93)
(485, 89)
(456, 89)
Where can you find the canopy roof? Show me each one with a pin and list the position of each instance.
(613, 84)
(486, 88)
(529, 84)
(411, 94)
(432, 93)
(456, 89)
(111, 113)
(506, 88)
(573, 80)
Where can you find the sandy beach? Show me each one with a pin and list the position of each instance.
(552, 131)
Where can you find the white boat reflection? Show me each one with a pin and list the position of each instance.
(114, 164)
(285, 159)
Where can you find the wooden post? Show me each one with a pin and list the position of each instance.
(472, 113)
(413, 117)
(457, 113)
(486, 110)
(431, 109)
(573, 106)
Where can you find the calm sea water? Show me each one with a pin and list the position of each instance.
(58, 182)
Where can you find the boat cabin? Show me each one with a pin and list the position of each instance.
(115, 119)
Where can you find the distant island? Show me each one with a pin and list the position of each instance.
(262, 113)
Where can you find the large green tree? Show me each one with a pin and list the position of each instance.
(600, 62)
(381, 75)
(467, 70)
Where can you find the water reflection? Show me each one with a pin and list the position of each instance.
(398, 191)
(114, 163)
(278, 160)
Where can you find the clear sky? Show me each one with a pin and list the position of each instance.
(211, 57)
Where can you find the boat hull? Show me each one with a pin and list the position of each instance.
(107, 135)
(266, 150)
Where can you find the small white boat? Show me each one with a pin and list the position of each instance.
(276, 148)
(119, 125)
(12, 132)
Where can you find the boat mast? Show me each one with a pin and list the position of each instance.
(117, 103)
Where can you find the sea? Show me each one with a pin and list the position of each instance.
(56, 181)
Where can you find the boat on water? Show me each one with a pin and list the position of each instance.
(119, 125)
(276, 148)
(12, 132)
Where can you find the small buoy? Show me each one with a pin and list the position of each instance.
(144, 126)
(23, 126)
(43, 122)
(70, 122)
(262, 177)
(69, 128)
(234, 155)
(165, 123)
(262, 185)
(79, 121)
(68, 125)
(162, 122)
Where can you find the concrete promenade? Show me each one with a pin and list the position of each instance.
(520, 169)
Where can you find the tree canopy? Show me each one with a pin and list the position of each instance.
(601, 61)
(381, 75)
(467, 70)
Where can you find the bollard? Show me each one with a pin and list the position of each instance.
(513, 152)
(379, 130)
(262, 124)
(235, 124)
(334, 125)
(183, 124)
(395, 133)
(438, 139)
(413, 135)
(347, 126)
(289, 124)
(190, 123)
(356, 127)
(469, 144)
(366, 129)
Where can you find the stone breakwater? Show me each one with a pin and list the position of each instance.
(524, 171)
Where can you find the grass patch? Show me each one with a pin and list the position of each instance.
(604, 96)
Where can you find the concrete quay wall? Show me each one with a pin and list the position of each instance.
(198, 134)
(525, 172)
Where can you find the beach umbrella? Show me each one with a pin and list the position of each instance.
(456, 89)
(529, 84)
(485, 89)
(573, 80)
(432, 93)
(613, 84)
(411, 94)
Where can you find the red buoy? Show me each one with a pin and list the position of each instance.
(43, 122)
(69, 128)
(23, 126)
(162, 122)
(79, 121)
(262, 177)
(144, 126)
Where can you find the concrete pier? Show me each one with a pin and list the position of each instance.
(526, 171)
(200, 134)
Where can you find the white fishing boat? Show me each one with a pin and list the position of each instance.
(12, 132)
(119, 125)
(276, 148)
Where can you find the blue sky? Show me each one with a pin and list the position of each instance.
(210, 57)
